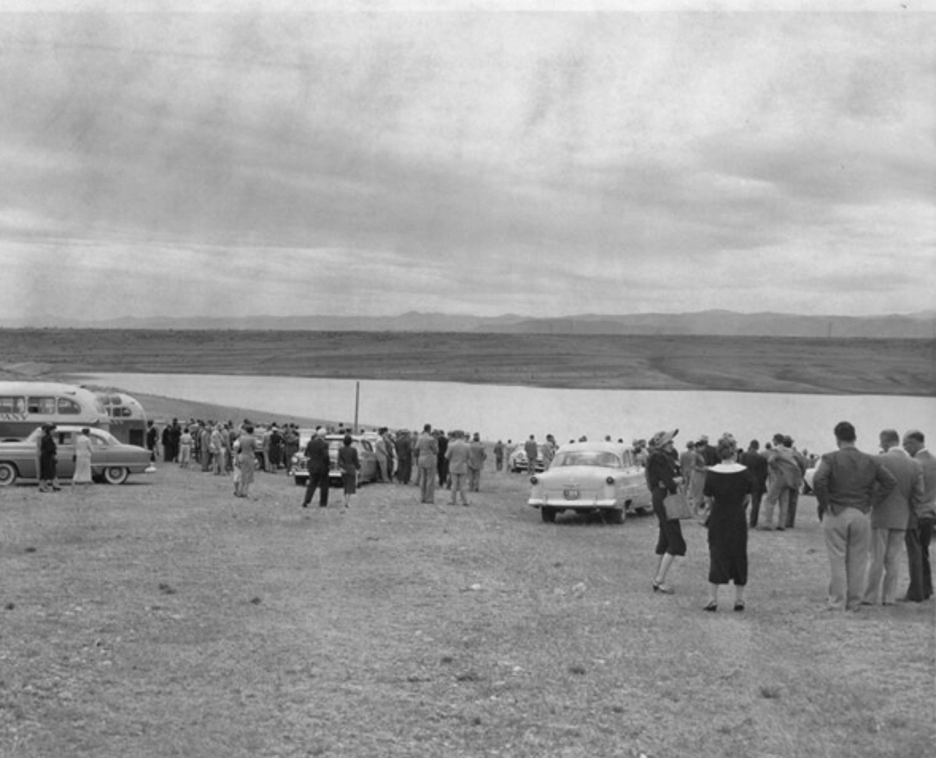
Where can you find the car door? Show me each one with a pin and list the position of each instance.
(102, 453)
(65, 465)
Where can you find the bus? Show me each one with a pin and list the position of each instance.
(25, 405)
(127, 417)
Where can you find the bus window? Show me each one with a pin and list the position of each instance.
(68, 407)
(41, 405)
(12, 404)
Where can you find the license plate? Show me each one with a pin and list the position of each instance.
(570, 494)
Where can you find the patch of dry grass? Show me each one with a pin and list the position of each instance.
(753, 364)
(166, 618)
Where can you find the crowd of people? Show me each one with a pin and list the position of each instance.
(209, 445)
(877, 511)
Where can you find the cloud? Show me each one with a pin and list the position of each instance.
(486, 162)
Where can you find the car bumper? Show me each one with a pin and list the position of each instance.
(585, 503)
(334, 477)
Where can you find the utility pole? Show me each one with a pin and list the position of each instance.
(357, 402)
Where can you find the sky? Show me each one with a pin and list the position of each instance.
(297, 159)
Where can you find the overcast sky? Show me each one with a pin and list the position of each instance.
(542, 163)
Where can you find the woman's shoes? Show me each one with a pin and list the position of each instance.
(711, 607)
(661, 587)
(739, 605)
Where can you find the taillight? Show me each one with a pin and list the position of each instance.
(534, 480)
(610, 480)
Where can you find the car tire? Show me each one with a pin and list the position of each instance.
(116, 474)
(614, 516)
(8, 474)
(548, 515)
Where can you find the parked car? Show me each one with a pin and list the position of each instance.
(111, 460)
(299, 466)
(517, 462)
(591, 477)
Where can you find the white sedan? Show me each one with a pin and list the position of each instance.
(589, 477)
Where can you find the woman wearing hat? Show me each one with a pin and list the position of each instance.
(663, 478)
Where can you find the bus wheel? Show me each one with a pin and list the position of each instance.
(116, 475)
(8, 474)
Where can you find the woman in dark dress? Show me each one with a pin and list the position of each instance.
(727, 488)
(48, 455)
(663, 478)
(349, 462)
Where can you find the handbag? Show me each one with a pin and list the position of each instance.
(677, 506)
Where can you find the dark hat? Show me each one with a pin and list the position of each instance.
(661, 438)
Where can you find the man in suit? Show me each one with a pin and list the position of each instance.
(890, 517)
(319, 463)
(920, 529)
(794, 493)
(443, 442)
(844, 483)
(427, 453)
(383, 455)
(532, 453)
(476, 459)
(756, 463)
(458, 455)
(785, 478)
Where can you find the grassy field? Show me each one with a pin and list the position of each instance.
(167, 618)
(888, 367)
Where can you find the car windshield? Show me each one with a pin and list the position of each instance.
(338, 444)
(587, 458)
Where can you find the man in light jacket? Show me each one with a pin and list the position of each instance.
(427, 453)
(476, 458)
(890, 517)
(844, 484)
(458, 454)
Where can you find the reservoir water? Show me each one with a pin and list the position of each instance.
(513, 412)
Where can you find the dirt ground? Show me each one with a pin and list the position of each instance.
(165, 617)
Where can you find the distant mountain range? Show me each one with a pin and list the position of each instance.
(920, 325)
